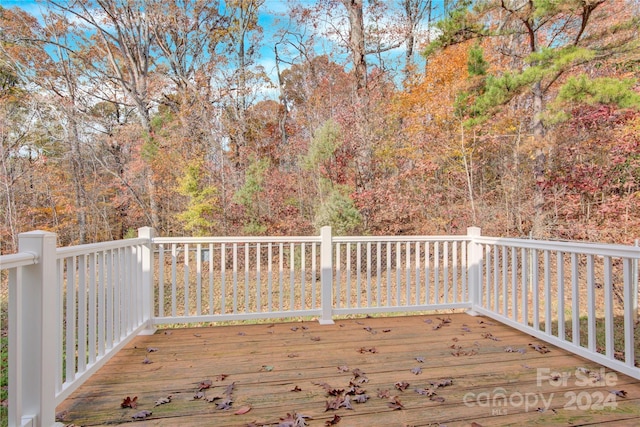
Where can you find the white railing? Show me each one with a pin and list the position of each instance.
(82, 304)
(568, 294)
(70, 310)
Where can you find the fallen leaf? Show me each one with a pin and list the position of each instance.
(152, 349)
(401, 385)
(266, 368)
(333, 421)
(147, 361)
(315, 338)
(296, 388)
(420, 359)
(395, 403)
(163, 400)
(141, 415)
(343, 368)
(292, 355)
(417, 370)
(204, 384)
(361, 398)
(221, 377)
(383, 394)
(619, 393)
(224, 404)
(442, 382)
(437, 399)
(199, 395)
(294, 328)
(129, 402)
(490, 336)
(242, 410)
(540, 348)
(386, 330)
(475, 424)
(294, 420)
(426, 391)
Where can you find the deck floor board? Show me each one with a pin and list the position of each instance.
(266, 362)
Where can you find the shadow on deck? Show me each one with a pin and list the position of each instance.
(453, 370)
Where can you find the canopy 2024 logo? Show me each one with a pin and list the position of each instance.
(499, 401)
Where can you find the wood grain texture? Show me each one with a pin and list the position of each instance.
(267, 362)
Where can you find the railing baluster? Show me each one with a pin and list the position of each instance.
(247, 292)
(388, 274)
(338, 276)
(281, 275)
(427, 273)
(561, 297)
(174, 280)
(303, 274)
(70, 347)
(591, 309)
(536, 289)
(93, 318)
(292, 276)
(547, 293)
(514, 284)
(525, 286)
(436, 273)
(270, 275)
(608, 309)
(314, 278)
(454, 257)
(629, 312)
(358, 274)
(211, 279)
(407, 276)
(418, 280)
(575, 300)
(368, 274)
(348, 268)
(187, 274)
(398, 274)
(198, 279)
(235, 278)
(223, 279)
(378, 273)
(258, 284)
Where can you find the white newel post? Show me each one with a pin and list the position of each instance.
(147, 279)
(37, 348)
(474, 266)
(326, 276)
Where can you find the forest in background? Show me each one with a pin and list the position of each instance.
(522, 118)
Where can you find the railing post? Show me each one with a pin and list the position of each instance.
(326, 276)
(147, 260)
(474, 266)
(36, 345)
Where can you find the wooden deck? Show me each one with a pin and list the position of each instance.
(286, 368)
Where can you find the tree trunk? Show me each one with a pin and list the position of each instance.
(356, 42)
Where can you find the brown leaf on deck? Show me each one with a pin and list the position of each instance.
(395, 403)
(129, 402)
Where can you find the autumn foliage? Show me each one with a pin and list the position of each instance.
(107, 126)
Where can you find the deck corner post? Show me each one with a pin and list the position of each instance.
(147, 233)
(37, 318)
(474, 265)
(326, 276)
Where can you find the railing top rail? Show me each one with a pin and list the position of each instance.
(237, 239)
(365, 239)
(600, 249)
(20, 259)
(99, 247)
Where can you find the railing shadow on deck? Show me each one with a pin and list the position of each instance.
(71, 309)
